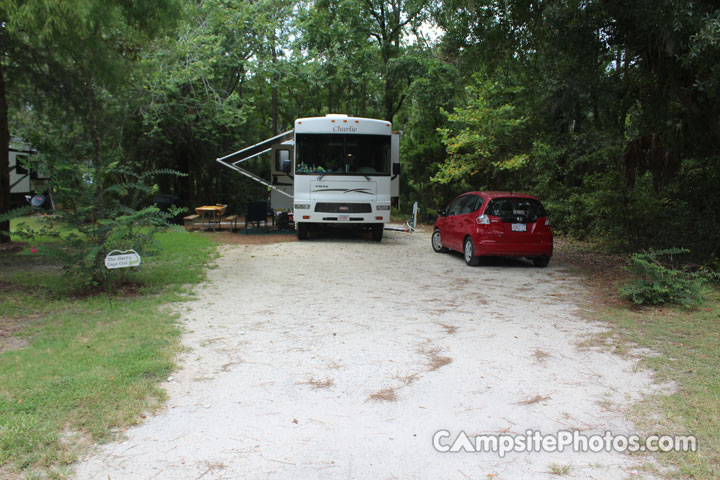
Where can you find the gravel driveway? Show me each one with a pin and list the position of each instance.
(342, 357)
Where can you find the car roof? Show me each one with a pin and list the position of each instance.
(489, 195)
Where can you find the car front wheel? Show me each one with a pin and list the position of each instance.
(469, 252)
(437, 242)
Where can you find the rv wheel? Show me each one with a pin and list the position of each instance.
(377, 232)
(302, 231)
(283, 221)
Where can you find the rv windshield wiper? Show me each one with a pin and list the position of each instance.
(368, 178)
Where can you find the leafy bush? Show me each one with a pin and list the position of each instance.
(656, 280)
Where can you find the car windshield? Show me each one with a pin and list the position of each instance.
(527, 208)
(342, 154)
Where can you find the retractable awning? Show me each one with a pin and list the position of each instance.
(231, 161)
(257, 149)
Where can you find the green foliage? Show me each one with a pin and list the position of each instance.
(422, 152)
(205, 92)
(485, 136)
(654, 282)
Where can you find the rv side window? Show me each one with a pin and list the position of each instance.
(281, 156)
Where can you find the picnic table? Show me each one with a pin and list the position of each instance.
(210, 214)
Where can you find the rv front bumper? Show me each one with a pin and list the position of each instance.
(342, 212)
(315, 217)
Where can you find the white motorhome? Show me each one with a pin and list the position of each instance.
(331, 170)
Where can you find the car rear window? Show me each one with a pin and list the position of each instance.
(511, 208)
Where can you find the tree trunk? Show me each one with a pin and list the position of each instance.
(276, 79)
(97, 155)
(5, 160)
(389, 100)
(363, 101)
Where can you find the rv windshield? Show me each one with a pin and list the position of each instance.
(342, 154)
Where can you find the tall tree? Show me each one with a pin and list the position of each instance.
(389, 23)
(336, 34)
(4, 162)
(217, 86)
(344, 66)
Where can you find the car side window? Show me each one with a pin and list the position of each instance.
(455, 206)
(467, 205)
(475, 204)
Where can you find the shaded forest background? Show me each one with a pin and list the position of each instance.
(608, 110)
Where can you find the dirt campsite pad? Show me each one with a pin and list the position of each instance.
(339, 357)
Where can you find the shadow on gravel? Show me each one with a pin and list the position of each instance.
(348, 235)
(505, 262)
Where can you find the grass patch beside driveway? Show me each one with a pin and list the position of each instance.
(688, 347)
(89, 365)
(686, 351)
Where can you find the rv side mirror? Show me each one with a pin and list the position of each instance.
(286, 166)
(396, 169)
(441, 212)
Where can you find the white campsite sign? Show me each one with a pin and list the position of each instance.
(122, 259)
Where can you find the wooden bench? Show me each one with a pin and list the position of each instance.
(232, 222)
(190, 222)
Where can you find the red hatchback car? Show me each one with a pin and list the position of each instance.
(495, 224)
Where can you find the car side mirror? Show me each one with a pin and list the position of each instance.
(396, 169)
(442, 212)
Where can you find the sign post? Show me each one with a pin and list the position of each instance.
(122, 259)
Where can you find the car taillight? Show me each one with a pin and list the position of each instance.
(483, 220)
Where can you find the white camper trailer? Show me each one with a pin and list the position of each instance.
(25, 180)
(331, 170)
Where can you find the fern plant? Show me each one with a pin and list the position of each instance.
(657, 280)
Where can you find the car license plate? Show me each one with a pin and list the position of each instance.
(343, 218)
(519, 227)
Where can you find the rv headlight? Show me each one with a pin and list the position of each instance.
(302, 206)
(383, 207)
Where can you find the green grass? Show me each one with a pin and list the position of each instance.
(689, 346)
(37, 223)
(92, 364)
